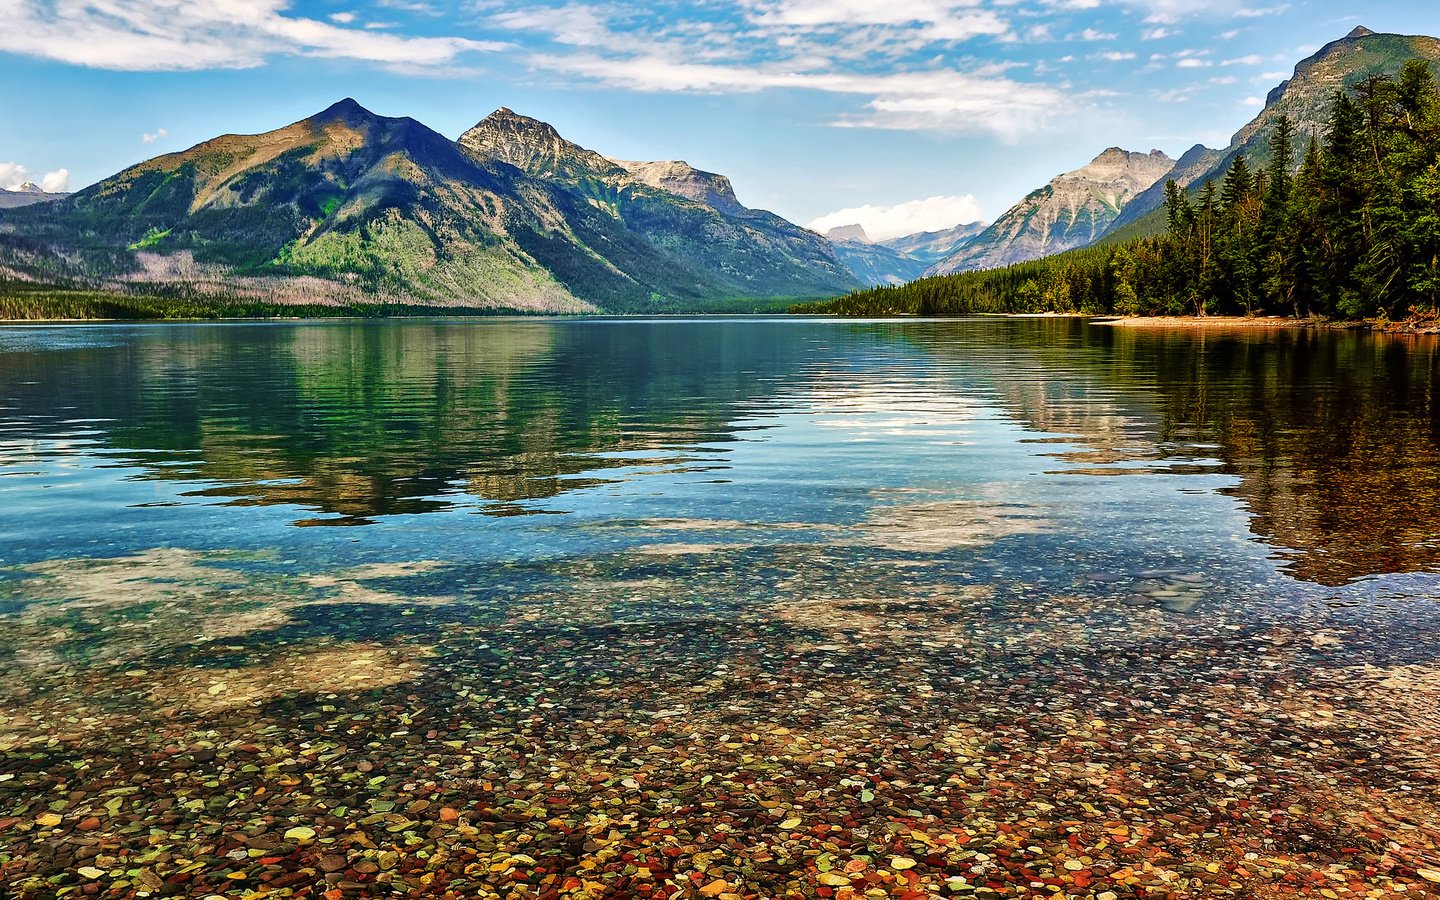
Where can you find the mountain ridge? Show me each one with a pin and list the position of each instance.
(1074, 209)
(348, 206)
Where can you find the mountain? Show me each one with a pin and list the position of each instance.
(688, 216)
(337, 207)
(27, 194)
(873, 264)
(684, 180)
(1073, 210)
(348, 206)
(1305, 98)
(931, 247)
(855, 234)
(1193, 167)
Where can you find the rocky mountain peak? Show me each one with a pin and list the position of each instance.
(1130, 172)
(1073, 210)
(29, 187)
(532, 146)
(347, 111)
(1359, 32)
(852, 233)
(684, 180)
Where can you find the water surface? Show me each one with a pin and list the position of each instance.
(694, 579)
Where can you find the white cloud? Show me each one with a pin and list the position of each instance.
(883, 223)
(342, 18)
(57, 182)
(1251, 12)
(179, 35)
(1254, 59)
(574, 24)
(937, 100)
(1091, 34)
(1115, 56)
(1191, 62)
(1168, 12)
(896, 59)
(12, 175)
(866, 12)
(151, 137)
(1158, 34)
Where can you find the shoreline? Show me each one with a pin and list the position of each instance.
(1409, 327)
(1221, 322)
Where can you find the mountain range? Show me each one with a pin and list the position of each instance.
(1120, 194)
(349, 206)
(901, 259)
(1073, 210)
(25, 195)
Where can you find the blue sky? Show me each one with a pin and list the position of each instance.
(902, 114)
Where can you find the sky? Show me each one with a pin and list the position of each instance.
(900, 115)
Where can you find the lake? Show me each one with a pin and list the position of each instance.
(718, 607)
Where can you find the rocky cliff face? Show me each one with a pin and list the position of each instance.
(1073, 210)
(684, 180)
(534, 147)
(854, 234)
(1196, 164)
(1305, 98)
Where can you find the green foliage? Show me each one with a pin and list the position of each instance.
(1354, 234)
(27, 302)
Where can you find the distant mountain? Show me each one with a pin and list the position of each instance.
(873, 264)
(348, 206)
(27, 194)
(853, 233)
(1073, 210)
(1195, 165)
(684, 180)
(1305, 98)
(689, 216)
(931, 247)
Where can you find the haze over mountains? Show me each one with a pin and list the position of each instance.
(901, 259)
(348, 206)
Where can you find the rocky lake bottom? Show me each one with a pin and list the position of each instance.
(720, 608)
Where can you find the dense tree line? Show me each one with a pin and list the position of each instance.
(1352, 232)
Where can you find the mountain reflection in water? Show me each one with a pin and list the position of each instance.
(1334, 437)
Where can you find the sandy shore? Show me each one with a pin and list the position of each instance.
(1220, 322)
